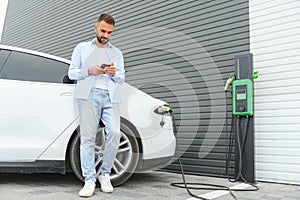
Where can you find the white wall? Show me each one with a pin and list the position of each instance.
(275, 44)
(3, 6)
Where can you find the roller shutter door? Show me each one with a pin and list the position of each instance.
(179, 51)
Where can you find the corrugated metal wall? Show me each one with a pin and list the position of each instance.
(275, 43)
(178, 51)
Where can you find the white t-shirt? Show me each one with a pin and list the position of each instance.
(103, 58)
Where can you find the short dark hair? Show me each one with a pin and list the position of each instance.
(107, 18)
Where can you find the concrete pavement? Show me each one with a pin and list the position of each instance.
(153, 185)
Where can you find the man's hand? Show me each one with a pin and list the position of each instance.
(95, 70)
(111, 70)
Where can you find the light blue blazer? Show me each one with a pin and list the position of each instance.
(84, 56)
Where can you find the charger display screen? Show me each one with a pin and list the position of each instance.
(241, 95)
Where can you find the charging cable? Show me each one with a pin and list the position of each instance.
(208, 186)
(229, 145)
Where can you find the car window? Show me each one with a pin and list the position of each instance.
(27, 67)
(3, 58)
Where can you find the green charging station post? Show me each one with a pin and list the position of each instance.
(242, 111)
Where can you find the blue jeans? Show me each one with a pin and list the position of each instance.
(98, 106)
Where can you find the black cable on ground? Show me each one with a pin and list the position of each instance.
(228, 158)
(210, 186)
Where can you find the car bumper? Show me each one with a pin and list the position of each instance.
(151, 164)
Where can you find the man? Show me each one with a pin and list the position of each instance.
(98, 68)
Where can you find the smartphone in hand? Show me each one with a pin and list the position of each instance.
(104, 65)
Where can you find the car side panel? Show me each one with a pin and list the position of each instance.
(40, 113)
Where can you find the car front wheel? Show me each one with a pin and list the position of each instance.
(125, 162)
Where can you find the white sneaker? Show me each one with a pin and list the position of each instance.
(105, 183)
(88, 189)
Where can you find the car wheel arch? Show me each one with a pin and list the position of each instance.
(135, 132)
(125, 124)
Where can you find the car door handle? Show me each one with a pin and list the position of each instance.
(66, 94)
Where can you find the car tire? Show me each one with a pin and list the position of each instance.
(126, 159)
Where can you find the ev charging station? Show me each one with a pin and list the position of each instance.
(242, 111)
(242, 128)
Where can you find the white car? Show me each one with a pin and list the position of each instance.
(39, 122)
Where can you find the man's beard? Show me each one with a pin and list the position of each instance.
(102, 41)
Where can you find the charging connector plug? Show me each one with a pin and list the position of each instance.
(229, 81)
(164, 109)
